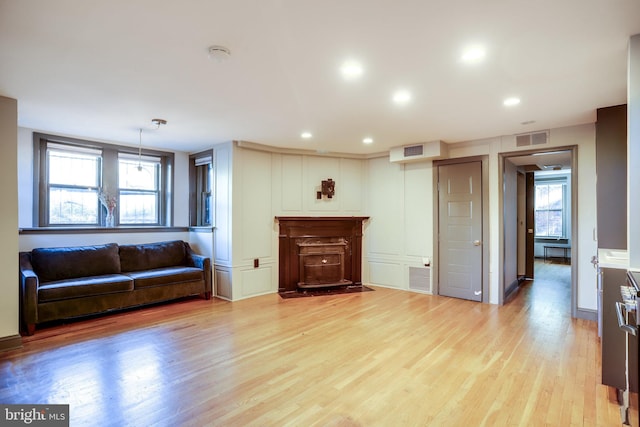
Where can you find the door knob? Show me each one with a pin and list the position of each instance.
(477, 243)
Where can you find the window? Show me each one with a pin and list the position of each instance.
(78, 183)
(139, 189)
(201, 188)
(74, 181)
(550, 209)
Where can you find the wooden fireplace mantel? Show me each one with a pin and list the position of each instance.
(298, 232)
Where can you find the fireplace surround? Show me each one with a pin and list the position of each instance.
(319, 252)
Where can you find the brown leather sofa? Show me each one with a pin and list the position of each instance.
(66, 282)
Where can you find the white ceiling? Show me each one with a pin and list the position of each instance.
(104, 69)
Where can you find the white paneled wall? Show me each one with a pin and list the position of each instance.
(400, 232)
(289, 169)
(255, 186)
(223, 201)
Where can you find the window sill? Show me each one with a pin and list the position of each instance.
(201, 228)
(97, 230)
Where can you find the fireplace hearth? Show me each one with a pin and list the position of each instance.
(319, 253)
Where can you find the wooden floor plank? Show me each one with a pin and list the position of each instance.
(382, 358)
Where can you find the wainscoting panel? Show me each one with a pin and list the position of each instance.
(223, 283)
(291, 183)
(385, 234)
(223, 159)
(351, 185)
(386, 274)
(256, 281)
(255, 227)
(418, 217)
(318, 169)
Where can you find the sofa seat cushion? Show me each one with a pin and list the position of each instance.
(84, 287)
(165, 276)
(53, 264)
(149, 256)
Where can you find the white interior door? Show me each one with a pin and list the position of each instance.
(460, 230)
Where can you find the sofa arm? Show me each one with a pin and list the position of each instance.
(28, 293)
(203, 262)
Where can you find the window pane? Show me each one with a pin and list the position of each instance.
(554, 223)
(138, 208)
(204, 180)
(73, 206)
(69, 168)
(555, 196)
(549, 216)
(542, 219)
(136, 175)
(542, 196)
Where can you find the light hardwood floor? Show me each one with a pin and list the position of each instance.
(382, 358)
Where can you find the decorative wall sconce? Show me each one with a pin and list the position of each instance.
(328, 188)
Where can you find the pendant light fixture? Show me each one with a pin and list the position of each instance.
(157, 123)
(140, 152)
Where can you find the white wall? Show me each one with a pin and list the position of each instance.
(9, 213)
(400, 232)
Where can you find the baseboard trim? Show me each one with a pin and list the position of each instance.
(513, 286)
(587, 314)
(10, 343)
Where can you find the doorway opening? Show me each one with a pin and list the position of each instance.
(539, 221)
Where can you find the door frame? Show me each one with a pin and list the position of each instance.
(484, 165)
(574, 218)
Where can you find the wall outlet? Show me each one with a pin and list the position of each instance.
(426, 261)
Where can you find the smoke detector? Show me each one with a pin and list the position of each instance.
(219, 53)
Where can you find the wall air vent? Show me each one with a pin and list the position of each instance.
(420, 279)
(415, 152)
(535, 138)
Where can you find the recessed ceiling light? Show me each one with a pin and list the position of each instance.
(510, 102)
(367, 140)
(306, 135)
(401, 96)
(473, 54)
(351, 70)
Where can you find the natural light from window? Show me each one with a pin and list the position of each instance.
(549, 213)
(73, 184)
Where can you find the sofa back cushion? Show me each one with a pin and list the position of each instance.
(52, 264)
(152, 255)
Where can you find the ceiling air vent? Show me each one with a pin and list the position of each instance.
(535, 138)
(413, 150)
(416, 152)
